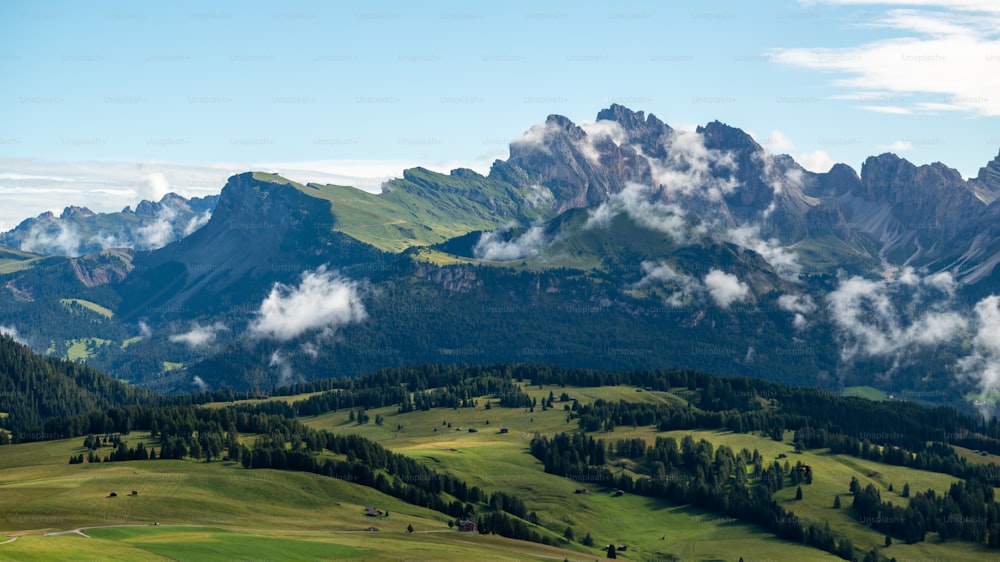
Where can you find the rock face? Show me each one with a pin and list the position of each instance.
(892, 212)
(260, 233)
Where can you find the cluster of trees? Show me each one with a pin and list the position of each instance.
(966, 512)
(693, 473)
(37, 391)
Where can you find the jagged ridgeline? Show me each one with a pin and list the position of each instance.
(620, 243)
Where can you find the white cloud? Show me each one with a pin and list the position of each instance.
(817, 161)
(197, 222)
(493, 247)
(13, 334)
(783, 261)
(942, 55)
(637, 202)
(160, 232)
(198, 335)
(982, 366)
(145, 330)
(286, 375)
(665, 275)
(200, 383)
(777, 141)
(52, 238)
(800, 306)
(871, 323)
(725, 288)
(322, 301)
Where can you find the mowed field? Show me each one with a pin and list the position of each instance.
(212, 511)
(218, 510)
(496, 461)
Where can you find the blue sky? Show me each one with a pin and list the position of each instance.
(105, 103)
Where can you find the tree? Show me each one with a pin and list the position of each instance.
(890, 486)
(798, 493)
(611, 551)
(836, 502)
(906, 490)
(888, 540)
(409, 528)
(587, 540)
(568, 533)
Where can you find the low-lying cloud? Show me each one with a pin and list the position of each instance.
(12, 332)
(879, 319)
(322, 301)
(725, 288)
(199, 336)
(493, 247)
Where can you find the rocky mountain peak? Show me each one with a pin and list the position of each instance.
(76, 212)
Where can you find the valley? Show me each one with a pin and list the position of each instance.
(193, 506)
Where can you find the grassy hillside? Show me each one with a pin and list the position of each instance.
(211, 510)
(420, 209)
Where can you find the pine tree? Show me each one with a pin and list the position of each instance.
(611, 551)
(836, 502)
(798, 493)
(906, 490)
(888, 540)
(409, 528)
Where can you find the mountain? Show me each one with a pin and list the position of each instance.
(38, 390)
(617, 243)
(79, 230)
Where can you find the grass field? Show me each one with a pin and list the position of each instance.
(83, 348)
(212, 511)
(91, 306)
(218, 510)
(868, 392)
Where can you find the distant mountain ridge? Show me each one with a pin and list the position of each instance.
(617, 243)
(78, 230)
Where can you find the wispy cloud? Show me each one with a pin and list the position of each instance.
(493, 246)
(199, 336)
(941, 56)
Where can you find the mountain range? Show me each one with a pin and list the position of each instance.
(618, 243)
(78, 230)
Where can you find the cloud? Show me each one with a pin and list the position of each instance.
(725, 288)
(322, 301)
(200, 383)
(52, 237)
(800, 306)
(196, 222)
(817, 161)
(198, 335)
(160, 232)
(12, 332)
(664, 274)
(784, 262)
(777, 141)
(982, 366)
(692, 169)
(144, 329)
(493, 247)
(157, 186)
(941, 56)
(286, 375)
(599, 131)
(871, 323)
(637, 202)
